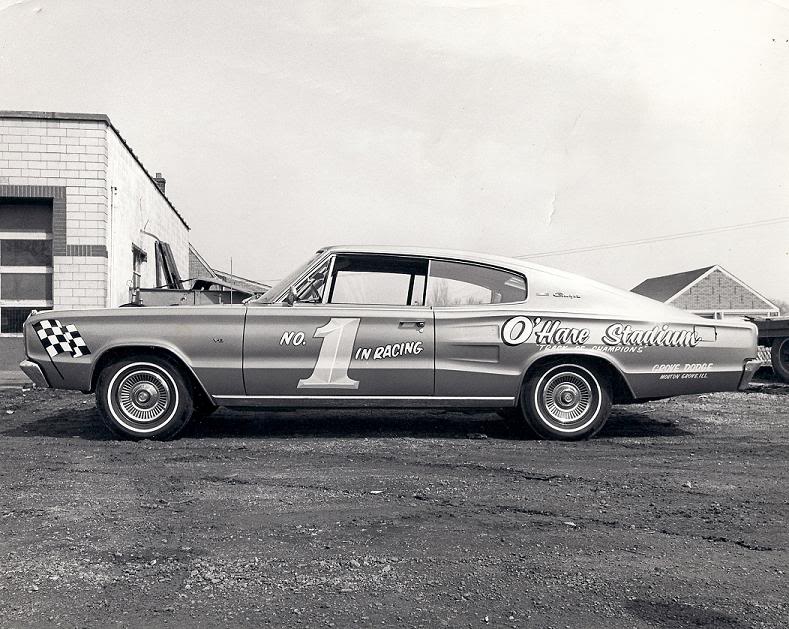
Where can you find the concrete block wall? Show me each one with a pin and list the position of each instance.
(71, 155)
(81, 281)
(103, 199)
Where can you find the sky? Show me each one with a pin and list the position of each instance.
(514, 128)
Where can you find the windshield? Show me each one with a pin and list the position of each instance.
(272, 293)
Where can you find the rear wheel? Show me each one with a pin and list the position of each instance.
(780, 358)
(566, 401)
(144, 398)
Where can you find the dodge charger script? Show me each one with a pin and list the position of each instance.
(393, 327)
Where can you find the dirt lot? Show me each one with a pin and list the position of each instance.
(676, 515)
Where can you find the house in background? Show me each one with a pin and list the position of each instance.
(710, 292)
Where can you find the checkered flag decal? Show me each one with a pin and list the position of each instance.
(58, 339)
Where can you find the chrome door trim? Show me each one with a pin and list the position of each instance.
(382, 401)
(359, 397)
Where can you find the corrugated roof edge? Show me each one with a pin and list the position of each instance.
(56, 115)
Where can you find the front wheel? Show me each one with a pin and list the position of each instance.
(144, 398)
(566, 401)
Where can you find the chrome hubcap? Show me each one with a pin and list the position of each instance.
(144, 396)
(567, 397)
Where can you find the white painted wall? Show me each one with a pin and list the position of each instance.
(135, 204)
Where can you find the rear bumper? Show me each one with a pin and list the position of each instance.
(751, 367)
(33, 371)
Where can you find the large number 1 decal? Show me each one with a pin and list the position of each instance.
(334, 359)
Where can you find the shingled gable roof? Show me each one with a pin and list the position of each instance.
(665, 287)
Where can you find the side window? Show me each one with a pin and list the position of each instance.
(378, 280)
(458, 284)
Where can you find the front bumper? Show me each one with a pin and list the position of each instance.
(750, 367)
(33, 371)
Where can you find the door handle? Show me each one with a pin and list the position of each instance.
(413, 323)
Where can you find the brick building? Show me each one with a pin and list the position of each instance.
(81, 219)
(710, 292)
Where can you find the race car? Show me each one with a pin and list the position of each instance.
(393, 327)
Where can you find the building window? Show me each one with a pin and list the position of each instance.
(11, 318)
(26, 253)
(138, 257)
(25, 260)
(26, 286)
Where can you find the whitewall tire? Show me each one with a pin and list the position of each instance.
(566, 401)
(144, 398)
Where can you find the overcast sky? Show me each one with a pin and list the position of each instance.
(506, 127)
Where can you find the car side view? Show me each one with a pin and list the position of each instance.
(393, 327)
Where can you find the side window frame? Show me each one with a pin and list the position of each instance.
(484, 266)
(316, 263)
(329, 290)
(300, 284)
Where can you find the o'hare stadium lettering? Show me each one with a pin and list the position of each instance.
(663, 336)
(518, 330)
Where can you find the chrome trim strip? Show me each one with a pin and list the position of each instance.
(33, 371)
(424, 297)
(430, 258)
(329, 284)
(363, 397)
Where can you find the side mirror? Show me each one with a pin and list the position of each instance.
(318, 275)
(291, 298)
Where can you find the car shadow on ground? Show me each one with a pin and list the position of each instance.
(68, 423)
(352, 424)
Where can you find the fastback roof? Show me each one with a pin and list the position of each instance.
(431, 252)
(665, 287)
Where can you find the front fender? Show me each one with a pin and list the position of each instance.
(126, 348)
(206, 340)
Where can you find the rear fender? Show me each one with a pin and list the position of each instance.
(622, 390)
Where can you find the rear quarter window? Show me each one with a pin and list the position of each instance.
(461, 284)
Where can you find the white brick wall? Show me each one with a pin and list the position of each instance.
(37, 152)
(80, 282)
(71, 154)
(88, 159)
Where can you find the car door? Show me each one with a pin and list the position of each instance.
(363, 332)
(471, 303)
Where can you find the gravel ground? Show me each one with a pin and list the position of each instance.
(674, 516)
